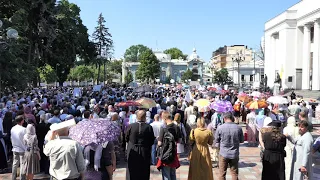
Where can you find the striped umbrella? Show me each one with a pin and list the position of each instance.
(146, 103)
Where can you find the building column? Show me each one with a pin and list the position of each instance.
(306, 58)
(316, 59)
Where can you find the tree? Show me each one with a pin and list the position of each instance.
(133, 53)
(128, 78)
(175, 53)
(149, 67)
(102, 38)
(187, 75)
(115, 66)
(222, 77)
(47, 74)
(81, 73)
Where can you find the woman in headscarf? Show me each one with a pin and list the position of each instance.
(7, 125)
(41, 130)
(251, 127)
(32, 154)
(293, 131)
(180, 145)
(30, 118)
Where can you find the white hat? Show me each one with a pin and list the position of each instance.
(65, 124)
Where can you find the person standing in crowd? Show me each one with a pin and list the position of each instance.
(140, 138)
(302, 158)
(55, 118)
(156, 126)
(251, 128)
(42, 129)
(274, 153)
(3, 153)
(292, 131)
(64, 153)
(228, 137)
(200, 160)
(7, 125)
(182, 143)
(169, 170)
(18, 147)
(303, 116)
(32, 157)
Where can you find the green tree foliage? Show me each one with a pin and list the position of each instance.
(222, 77)
(47, 74)
(149, 67)
(81, 73)
(50, 32)
(129, 78)
(133, 53)
(175, 53)
(115, 66)
(104, 44)
(187, 75)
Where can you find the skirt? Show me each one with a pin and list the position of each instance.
(31, 163)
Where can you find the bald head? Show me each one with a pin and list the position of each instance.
(141, 115)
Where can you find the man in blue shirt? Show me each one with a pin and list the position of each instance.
(228, 138)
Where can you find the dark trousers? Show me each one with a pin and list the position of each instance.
(223, 166)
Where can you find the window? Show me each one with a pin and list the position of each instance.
(312, 34)
(251, 78)
(208, 80)
(290, 79)
(262, 76)
(242, 77)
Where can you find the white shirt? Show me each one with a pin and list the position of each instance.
(17, 133)
(156, 125)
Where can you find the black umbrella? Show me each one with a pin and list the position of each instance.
(144, 88)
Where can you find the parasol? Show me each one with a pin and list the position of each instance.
(255, 94)
(277, 100)
(144, 88)
(203, 105)
(94, 131)
(257, 104)
(243, 97)
(222, 106)
(146, 103)
(128, 103)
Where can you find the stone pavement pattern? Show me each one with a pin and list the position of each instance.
(249, 168)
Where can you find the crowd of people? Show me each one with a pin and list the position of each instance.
(35, 136)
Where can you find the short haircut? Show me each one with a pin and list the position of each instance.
(86, 114)
(19, 118)
(303, 114)
(228, 115)
(156, 117)
(56, 112)
(166, 115)
(141, 115)
(304, 124)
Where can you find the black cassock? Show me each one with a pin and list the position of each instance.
(140, 138)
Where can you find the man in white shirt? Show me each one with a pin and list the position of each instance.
(18, 147)
(188, 111)
(156, 126)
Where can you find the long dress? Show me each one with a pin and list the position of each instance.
(289, 149)
(302, 156)
(251, 128)
(200, 161)
(31, 161)
(273, 158)
(140, 138)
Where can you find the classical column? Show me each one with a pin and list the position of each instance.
(306, 57)
(316, 59)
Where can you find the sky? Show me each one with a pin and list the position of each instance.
(186, 24)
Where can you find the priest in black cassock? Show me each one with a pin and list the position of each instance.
(140, 138)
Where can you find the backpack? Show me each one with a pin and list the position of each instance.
(167, 151)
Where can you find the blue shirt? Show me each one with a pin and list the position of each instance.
(228, 138)
(54, 120)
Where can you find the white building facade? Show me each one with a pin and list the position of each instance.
(292, 44)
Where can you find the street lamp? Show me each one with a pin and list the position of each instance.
(11, 34)
(238, 58)
(57, 65)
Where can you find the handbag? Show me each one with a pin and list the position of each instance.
(245, 136)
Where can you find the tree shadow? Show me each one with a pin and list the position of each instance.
(245, 165)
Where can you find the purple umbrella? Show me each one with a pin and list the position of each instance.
(94, 131)
(222, 106)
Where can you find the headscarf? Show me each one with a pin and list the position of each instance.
(267, 121)
(30, 133)
(291, 128)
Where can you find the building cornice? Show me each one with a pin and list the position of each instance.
(283, 11)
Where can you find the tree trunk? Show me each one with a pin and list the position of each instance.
(98, 80)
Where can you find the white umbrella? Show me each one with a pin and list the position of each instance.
(255, 94)
(277, 100)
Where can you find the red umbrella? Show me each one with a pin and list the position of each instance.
(129, 103)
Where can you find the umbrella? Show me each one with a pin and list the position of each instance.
(222, 106)
(146, 103)
(128, 103)
(203, 105)
(243, 97)
(94, 131)
(257, 104)
(277, 100)
(145, 88)
(255, 94)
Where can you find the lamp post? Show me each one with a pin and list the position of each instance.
(238, 58)
(10, 34)
(57, 65)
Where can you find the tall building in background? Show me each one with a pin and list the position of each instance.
(248, 69)
(292, 45)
